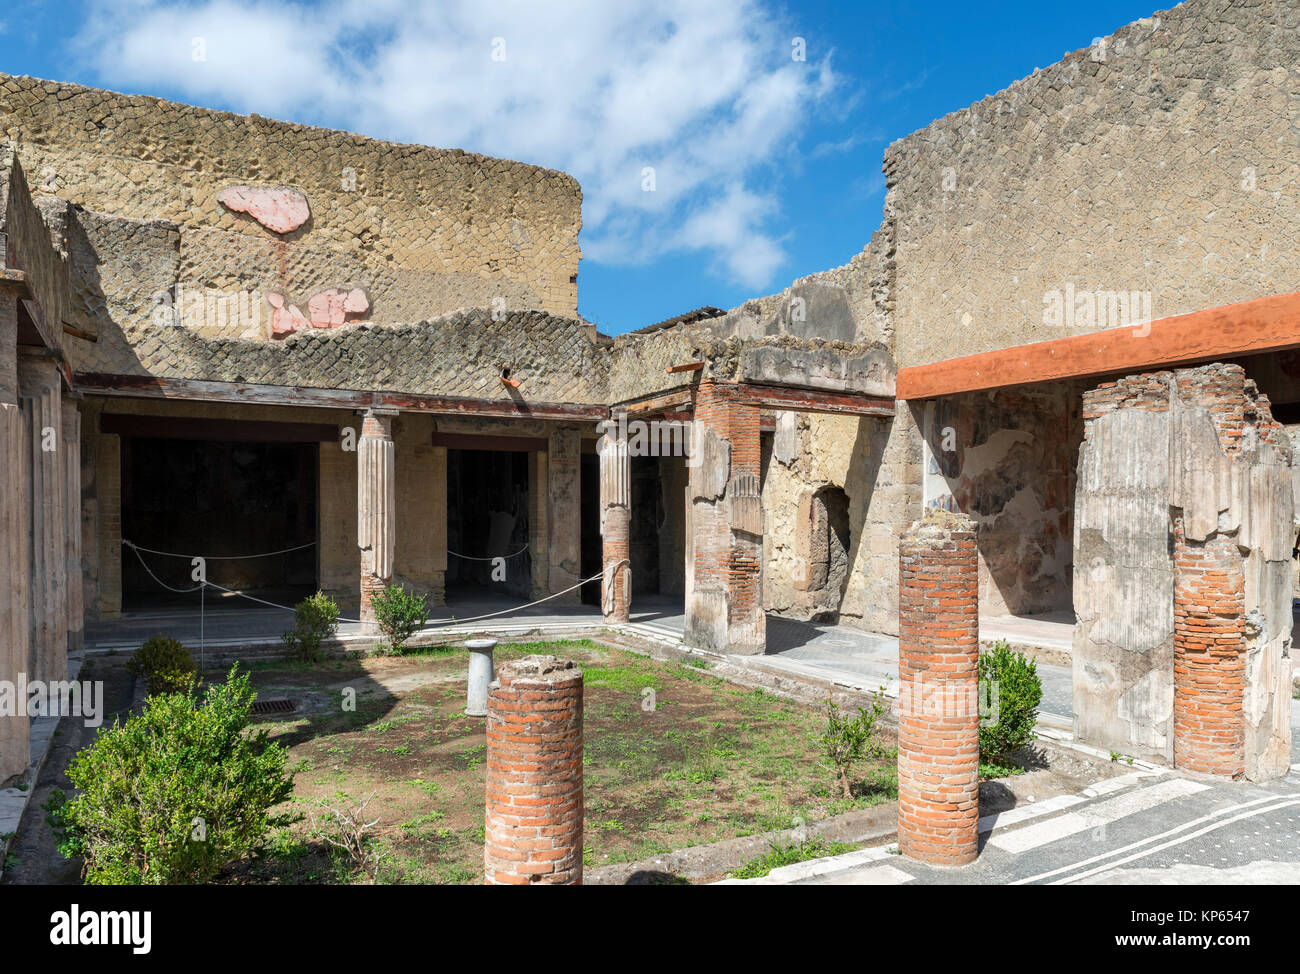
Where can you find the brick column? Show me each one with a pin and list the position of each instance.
(938, 702)
(615, 523)
(1209, 654)
(534, 815)
(376, 507)
(725, 609)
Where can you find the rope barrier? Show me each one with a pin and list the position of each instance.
(264, 554)
(288, 608)
(473, 558)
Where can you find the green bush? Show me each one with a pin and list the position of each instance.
(848, 740)
(400, 614)
(314, 618)
(176, 792)
(164, 663)
(1011, 680)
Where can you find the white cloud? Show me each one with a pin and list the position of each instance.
(705, 93)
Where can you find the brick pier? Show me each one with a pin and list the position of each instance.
(938, 704)
(533, 823)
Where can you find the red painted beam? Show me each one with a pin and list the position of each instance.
(1247, 328)
(203, 390)
(815, 400)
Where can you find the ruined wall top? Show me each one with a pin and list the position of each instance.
(464, 354)
(244, 227)
(1161, 162)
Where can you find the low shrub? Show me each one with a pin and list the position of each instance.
(177, 792)
(1010, 681)
(400, 614)
(164, 663)
(314, 618)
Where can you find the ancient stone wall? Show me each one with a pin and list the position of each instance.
(1161, 162)
(464, 354)
(420, 231)
(1184, 528)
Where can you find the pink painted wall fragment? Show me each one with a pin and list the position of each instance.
(282, 210)
(285, 317)
(333, 307)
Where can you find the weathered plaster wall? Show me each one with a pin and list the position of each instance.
(1007, 459)
(1123, 572)
(1163, 161)
(422, 231)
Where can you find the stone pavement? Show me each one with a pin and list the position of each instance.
(1148, 828)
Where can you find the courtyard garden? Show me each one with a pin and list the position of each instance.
(673, 757)
(366, 768)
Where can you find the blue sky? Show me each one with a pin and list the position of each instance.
(765, 168)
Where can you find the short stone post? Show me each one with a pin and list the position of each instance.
(534, 815)
(938, 698)
(480, 675)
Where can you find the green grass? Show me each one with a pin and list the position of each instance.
(790, 854)
(990, 771)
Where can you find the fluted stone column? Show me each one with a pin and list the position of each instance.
(39, 382)
(615, 523)
(14, 610)
(71, 455)
(376, 507)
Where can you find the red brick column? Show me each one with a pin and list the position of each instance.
(534, 816)
(938, 703)
(615, 522)
(1209, 654)
(725, 611)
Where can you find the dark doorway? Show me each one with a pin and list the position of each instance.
(647, 516)
(222, 501)
(487, 524)
(592, 548)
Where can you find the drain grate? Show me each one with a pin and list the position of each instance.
(268, 708)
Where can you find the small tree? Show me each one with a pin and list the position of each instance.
(346, 829)
(849, 740)
(400, 614)
(1010, 682)
(314, 618)
(176, 792)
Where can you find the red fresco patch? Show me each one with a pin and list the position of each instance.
(280, 210)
